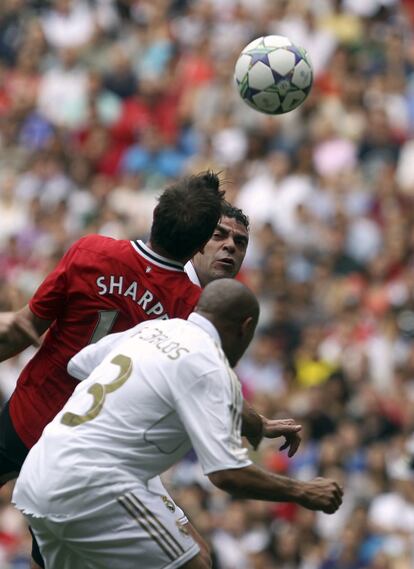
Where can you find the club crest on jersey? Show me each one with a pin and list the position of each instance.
(168, 503)
(182, 528)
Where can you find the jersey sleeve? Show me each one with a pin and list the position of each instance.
(50, 298)
(82, 364)
(211, 413)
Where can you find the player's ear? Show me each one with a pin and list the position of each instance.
(247, 325)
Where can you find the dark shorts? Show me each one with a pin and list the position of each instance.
(12, 450)
(12, 455)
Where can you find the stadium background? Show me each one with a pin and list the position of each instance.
(103, 102)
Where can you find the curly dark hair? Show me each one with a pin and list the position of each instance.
(229, 210)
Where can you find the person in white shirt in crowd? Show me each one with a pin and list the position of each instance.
(150, 394)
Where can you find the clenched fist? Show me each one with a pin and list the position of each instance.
(322, 494)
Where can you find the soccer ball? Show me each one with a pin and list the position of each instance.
(273, 76)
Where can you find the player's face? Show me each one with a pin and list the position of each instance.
(224, 253)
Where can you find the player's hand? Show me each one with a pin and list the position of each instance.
(322, 494)
(288, 428)
(14, 324)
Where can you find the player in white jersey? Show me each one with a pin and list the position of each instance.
(163, 387)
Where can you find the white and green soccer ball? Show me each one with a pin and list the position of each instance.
(273, 75)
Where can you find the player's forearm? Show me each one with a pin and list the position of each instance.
(252, 423)
(18, 330)
(9, 349)
(12, 341)
(254, 483)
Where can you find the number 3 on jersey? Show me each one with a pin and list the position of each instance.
(99, 392)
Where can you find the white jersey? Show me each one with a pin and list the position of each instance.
(163, 387)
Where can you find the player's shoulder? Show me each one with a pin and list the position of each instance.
(182, 294)
(100, 243)
(198, 341)
(202, 367)
(189, 291)
(102, 247)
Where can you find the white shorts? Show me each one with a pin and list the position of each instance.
(142, 528)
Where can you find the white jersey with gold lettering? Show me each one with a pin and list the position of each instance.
(162, 387)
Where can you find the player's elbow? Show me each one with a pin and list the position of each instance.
(227, 480)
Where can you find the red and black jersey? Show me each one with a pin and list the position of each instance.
(101, 285)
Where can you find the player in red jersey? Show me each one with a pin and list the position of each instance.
(100, 286)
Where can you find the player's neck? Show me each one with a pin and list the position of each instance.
(160, 251)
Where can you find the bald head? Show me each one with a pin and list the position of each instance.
(234, 311)
(228, 300)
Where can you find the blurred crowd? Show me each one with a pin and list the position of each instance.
(103, 102)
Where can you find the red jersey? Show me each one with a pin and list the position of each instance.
(101, 285)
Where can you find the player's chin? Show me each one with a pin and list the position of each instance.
(224, 275)
(224, 271)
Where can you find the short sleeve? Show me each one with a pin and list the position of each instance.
(50, 298)
(210, 410)
(82, 364)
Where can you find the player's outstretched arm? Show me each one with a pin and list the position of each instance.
(254, 483)
(18, 330)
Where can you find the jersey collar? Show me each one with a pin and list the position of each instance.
(191, 273)
(158, 260)
(206, 325)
